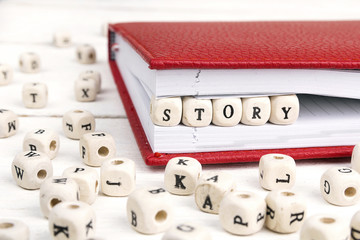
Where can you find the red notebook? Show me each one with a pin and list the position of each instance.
(236, 45)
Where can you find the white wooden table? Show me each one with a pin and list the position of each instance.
(29, 25)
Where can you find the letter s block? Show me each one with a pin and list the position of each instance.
(166, 111)
(149, 210)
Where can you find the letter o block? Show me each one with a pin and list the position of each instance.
(227, 112)
(96, 147)
(31, 169)
(78, 122)
(325, 227)
(196, 112)
(285, 211)
(11, 229)
(242, 213)
(256, 110)
(277, 171)
(72, 220)
(211, 189)
(284, 109)
(149, 210)
(181, 175)
(166, 111)
(187, 231)
(9, 123)
(340, 186)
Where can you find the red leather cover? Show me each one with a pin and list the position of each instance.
(167, 45)
(331, 52)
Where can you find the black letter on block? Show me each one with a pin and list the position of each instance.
(113, 183)
(60, 180)
(40, 131)
(353, 232)
(199, 110)
(256, 111)
(284, 180)
(178, 181)
(85, 92)
(86, 126)
(98, 134)
(270, 212)
(34, 96)
(31, 154)
(231, 111)
(207, 203)
(70, 126)
(83, 151)
(297, 217)
(326, 187)
(133, 219)
(345, 170)
(88, 227)
(12, 125)
(166, 113)
(182, 162)
(214, 178)
(238, 220)
(32, 147)
(79, 169)
(185, 228)
(19, 172)
(260, 217)
(286, 112)
(156, 191)
(60, 229)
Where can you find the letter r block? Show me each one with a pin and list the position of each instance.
(166, 111)
(256, 110)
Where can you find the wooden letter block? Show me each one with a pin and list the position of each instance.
(29, 62)
(85, 90)
(6, 74)
(256, 110)
(284, 109)
(78, 122)
(9, 123)
(227, 112)
(181, 175)
(355, 158)
(96, 147)
(72, 221)
(149, 210)
(35, 95)
(62, 39)
(211, 189)
(11, 229)
(166, 111)
(242, 213)
(196, 112)
(187, 231)
(285, 211)
(31, 169)
(42, 140)
(87, 180)
(118, 177)
(325, 227)
(86, 54)
(340, 186)
(93, 75)
(355, 226)
(277, 171)
(56, 190)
